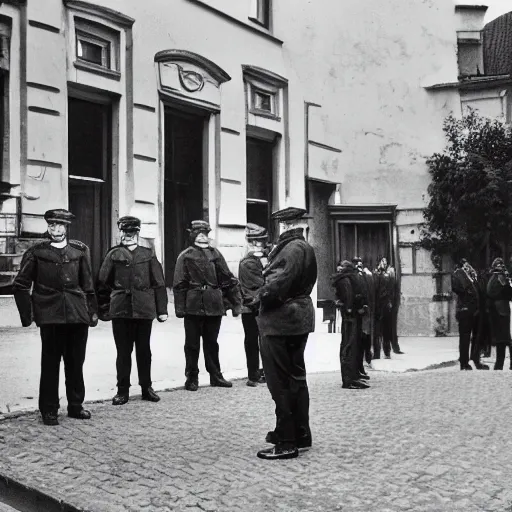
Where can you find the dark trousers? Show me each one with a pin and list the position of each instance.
(66, 341)
(350, 349)
(208, 328)
(285, 371)
(386, 330)
(251, 344)
(128, 332)
(501, 349)
(468, 339)
(366, 351)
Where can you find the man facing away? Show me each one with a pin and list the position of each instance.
(204, 288)
(286, 317)
(250, 275)
(63, 305)
(351, 300)
(131, 293)
(468, 312)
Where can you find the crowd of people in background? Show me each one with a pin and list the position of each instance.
(483, 313)
(368, 302)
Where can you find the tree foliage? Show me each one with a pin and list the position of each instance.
(470, 209)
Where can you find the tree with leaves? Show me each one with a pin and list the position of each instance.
(470, 210)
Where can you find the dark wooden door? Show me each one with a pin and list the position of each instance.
(89, 158)
(370, 241)
(183, 182)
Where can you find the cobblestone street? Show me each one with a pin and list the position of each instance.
(420, 441)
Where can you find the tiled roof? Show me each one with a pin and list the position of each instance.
(497, 42)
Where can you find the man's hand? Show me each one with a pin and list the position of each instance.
(180, 314)
(94, 320)
(162, 318)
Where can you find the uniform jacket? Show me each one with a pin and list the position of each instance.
(499, 292)
(286, 308)
(350, 290)
(204, 285)
(250, 275)
(63, 291)
(468, 296)
(385, 291)
(131, 285)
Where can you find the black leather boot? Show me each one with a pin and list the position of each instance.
(120, 398)
(150, 395)
(50, 418)
(81, 414)
(191, 385)
(217, 380)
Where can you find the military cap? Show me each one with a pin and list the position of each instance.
(59, 215)
(255, 232)
(356, 260)
(128, 223)
(200, 225)
(290, 213)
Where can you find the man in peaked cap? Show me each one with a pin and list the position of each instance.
(63, 305)
(250, 275)
(132, 293)
(204, 288)
(286, 317)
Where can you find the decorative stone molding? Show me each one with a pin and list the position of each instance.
(99, 10)
(185, 74)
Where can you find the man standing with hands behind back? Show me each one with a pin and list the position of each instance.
(131, 293)
(63, 305)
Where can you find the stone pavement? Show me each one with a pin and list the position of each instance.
(20, 355)
(417, 441)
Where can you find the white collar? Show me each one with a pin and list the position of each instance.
(60, 245)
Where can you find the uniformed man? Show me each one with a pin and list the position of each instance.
(250, 275)
(352, 302)
(286, 317)
(63, 305)
(131, 293)
(204, 289)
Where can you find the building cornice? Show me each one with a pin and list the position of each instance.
(99, 10)
(476, 83)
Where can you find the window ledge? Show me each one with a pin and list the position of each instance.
(261, 31)
(264, 113)
(97, 70)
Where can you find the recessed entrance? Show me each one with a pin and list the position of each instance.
(184, 181)
(90, 163)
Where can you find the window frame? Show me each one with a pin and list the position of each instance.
(103, 36)
(261, 13)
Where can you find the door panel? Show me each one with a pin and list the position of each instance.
(183, 182)
(89, 161)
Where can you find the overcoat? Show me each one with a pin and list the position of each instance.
(63, 291)
(286, 308)
(499, 292)
(131, 285)
(468, 297)
(204, 285)
(250, 275)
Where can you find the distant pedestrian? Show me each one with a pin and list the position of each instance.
(286, 317)
(468, 314)
(250, 275)
(385, 303)
(351, 301)
(132, 293)
(204, 288)
(367, 327)
(499, 291)
(63, 305)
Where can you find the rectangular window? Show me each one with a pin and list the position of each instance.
(260, 161)
(260, 12)
(97, 44)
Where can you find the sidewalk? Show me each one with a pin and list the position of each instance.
(20, 359)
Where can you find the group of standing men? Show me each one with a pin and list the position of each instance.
(368, 302)
(56, 289)
(483, 313)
